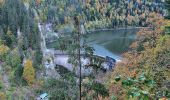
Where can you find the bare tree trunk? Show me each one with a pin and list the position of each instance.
(79, 58)
(79, 52)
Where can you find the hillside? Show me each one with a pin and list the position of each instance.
(84, 49)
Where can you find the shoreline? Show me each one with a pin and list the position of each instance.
(111, 29)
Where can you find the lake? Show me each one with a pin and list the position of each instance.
(112, 43)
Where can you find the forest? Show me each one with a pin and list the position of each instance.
(84, 49)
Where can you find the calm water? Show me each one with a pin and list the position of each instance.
(112, 43)
(108, 43)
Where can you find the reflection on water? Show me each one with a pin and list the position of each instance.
(112, 43)
(108, 43)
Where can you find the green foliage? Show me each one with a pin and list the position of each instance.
(100, 89)
(93, 89)
(168, 9)
(10, 15)
(1, 85)
(140, 48)
(38, 59)
(97, 14)
(113, 97)
(117, 78)
(167, 29)
(140, 87)
(18, 79)
(61, 89)
(13, 58)
(8, 38)
(16, 17)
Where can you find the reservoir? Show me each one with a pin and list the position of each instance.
(112, 43)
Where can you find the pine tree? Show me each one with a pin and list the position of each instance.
(168, 16)
(167, 5)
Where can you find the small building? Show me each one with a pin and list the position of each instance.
(43, 96)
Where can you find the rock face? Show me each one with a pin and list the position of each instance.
(62, 60)
(52, 57)
(49, 59)
(48, 54)
(82, 31)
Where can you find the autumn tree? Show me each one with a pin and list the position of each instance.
(149, 66)
(29, 72)
(3, 52)
(2, 96)
(38, 2)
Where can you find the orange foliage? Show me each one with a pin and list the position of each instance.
(29, 72)
(133, 73)
(133, 45)
(116, 87)
(163, 98)
(38, 2)
(132, 59)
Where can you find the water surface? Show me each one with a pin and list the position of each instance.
(108, 43)
(112, 43)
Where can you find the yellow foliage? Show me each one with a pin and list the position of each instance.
(167, 23)
(29, 72)
(2, 96)
(3, 50)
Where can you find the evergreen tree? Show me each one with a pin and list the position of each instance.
(167, 5)
(168, 16)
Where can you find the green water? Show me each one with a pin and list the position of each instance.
(112, 43)
(108, 43)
